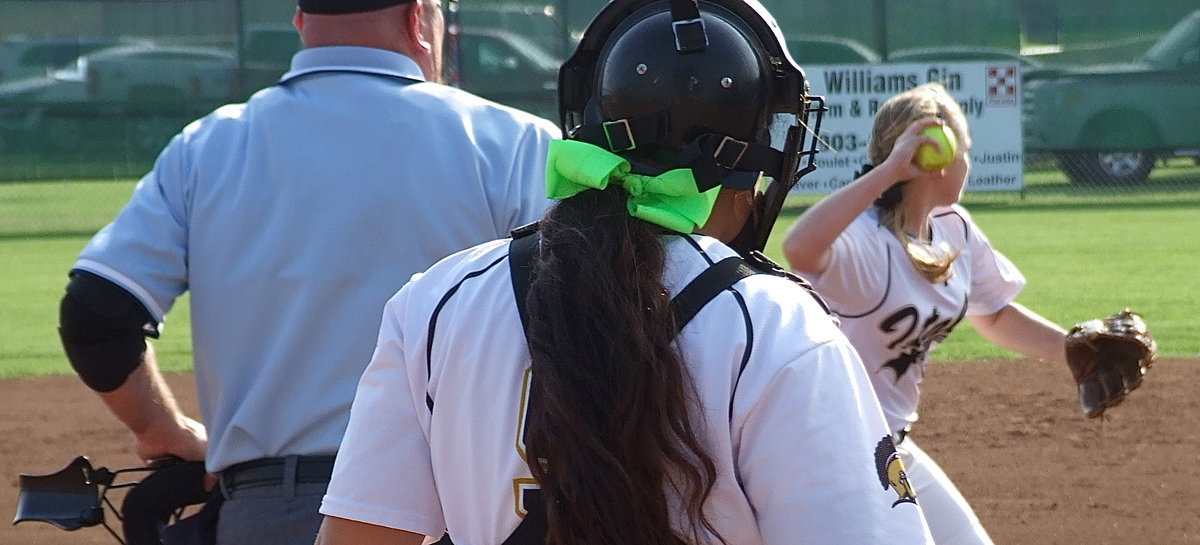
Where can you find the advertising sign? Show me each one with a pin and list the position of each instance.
(988, 91)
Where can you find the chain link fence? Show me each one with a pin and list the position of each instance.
(1110, 91)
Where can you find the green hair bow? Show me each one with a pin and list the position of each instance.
(670, 200)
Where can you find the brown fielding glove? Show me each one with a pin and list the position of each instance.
(1108, 358)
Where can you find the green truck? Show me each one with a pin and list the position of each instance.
(1112, 124)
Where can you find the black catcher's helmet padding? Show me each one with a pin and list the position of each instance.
(705, 85)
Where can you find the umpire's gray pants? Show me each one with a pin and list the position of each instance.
(283, 514)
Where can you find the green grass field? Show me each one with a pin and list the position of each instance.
(43, 226)
(1087, 252)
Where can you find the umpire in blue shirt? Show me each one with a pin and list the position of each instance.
(291, 219)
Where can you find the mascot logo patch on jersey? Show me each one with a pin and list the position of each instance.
(891, 471)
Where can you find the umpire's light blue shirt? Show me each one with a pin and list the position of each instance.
(293, 218)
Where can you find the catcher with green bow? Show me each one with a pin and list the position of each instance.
(626, 371)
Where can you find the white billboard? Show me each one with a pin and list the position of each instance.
(989, 92)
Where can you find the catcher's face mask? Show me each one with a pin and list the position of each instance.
(704, 85)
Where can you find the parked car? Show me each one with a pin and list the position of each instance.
(266, 53)
(156, 74)
(508, 69)
(829, 50)
(140, 94)
(539, 24)
(29, 56)
(962, 53)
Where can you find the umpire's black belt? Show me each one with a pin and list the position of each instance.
(272, 472)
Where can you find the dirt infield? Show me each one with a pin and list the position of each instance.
(1009, 433)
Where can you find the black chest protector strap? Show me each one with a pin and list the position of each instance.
(707, 285)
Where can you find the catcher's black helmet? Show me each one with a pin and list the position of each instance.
(705, 85)
(719, 89)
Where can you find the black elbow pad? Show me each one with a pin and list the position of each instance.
(103, 329)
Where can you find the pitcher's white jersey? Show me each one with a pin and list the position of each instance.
(893, 316)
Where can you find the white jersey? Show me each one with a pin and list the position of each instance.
(893, 315)
(787, 412)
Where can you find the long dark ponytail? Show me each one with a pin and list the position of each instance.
(610, 434)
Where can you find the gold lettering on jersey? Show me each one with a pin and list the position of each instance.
(525, 489)
(522, 412)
